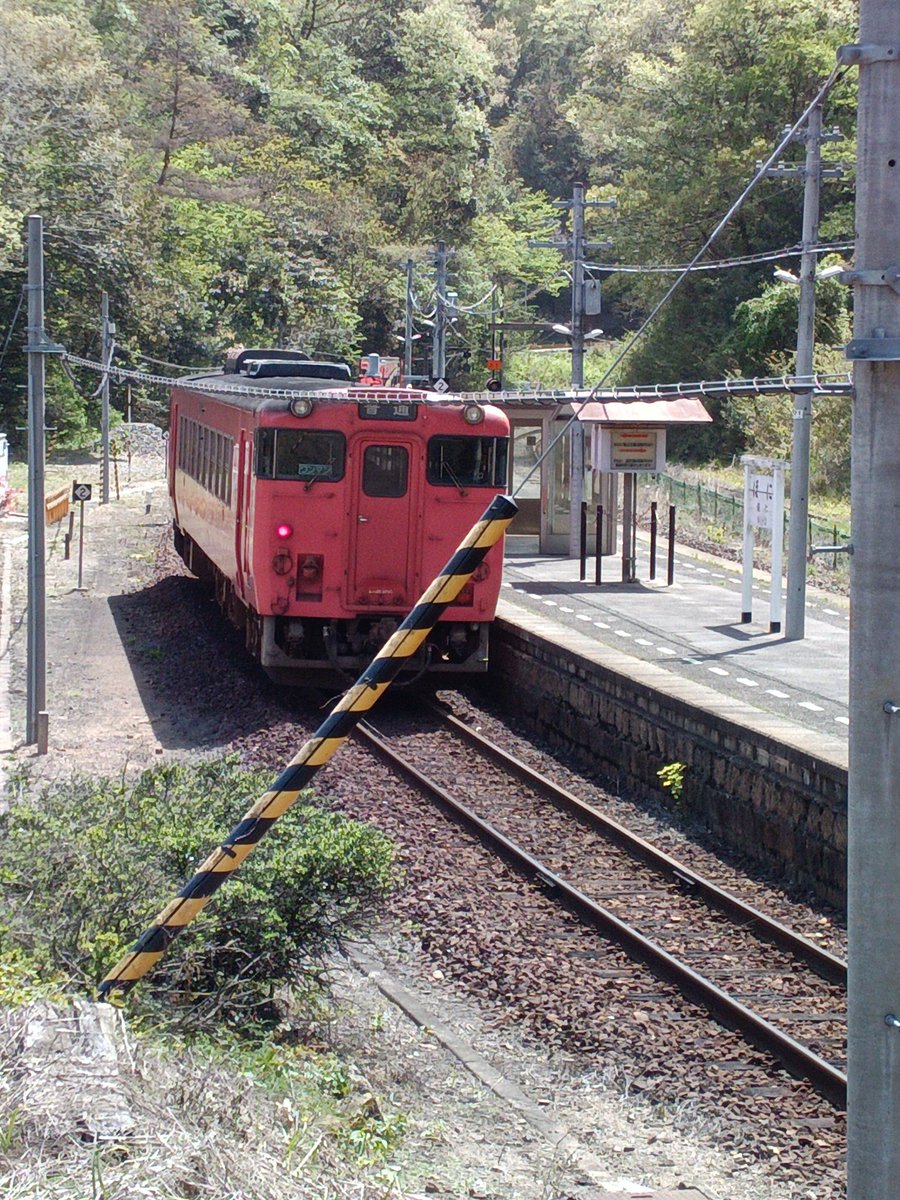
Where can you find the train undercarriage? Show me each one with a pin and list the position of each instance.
(314, 650)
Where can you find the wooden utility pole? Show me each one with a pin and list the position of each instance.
(874, 810)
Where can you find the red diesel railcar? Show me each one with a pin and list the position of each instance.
(322, 510)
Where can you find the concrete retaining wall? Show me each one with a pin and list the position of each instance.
(768, 788)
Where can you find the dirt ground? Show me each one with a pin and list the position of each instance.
(517, 1123)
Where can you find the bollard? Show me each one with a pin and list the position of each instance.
(598, 545)
(671, 562)
(582, 542)
(652, 539)
(148, 498)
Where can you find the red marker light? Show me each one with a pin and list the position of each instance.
(284, 531)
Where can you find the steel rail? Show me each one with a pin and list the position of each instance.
(830, 1082)
(825, 964)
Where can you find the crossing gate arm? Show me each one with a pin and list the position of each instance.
(318, 750)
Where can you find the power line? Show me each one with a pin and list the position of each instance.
(12, 325)
(745, 260)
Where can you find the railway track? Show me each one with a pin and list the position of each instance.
(784, 993)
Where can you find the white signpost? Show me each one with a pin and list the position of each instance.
(763, 509)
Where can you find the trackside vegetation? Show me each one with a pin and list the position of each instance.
(86, 865)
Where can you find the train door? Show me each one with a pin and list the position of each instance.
(383, 559)
(242, 523)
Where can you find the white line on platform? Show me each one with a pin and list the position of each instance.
(550, 603)
(809, 704)
(583, 617)
(601, 625)
(666, 650)
(621, 633)
(778, 695)
(718, 670)
(747, 682)
(643, 641)
(842, 720)
(562, 608)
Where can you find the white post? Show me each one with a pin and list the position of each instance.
(777, 547)
(747, 555)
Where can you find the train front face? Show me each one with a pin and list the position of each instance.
(360, 501)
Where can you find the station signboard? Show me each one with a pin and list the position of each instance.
(628, 448)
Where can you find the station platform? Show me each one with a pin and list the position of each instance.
(693, 629)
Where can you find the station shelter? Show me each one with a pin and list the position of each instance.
(622, 436)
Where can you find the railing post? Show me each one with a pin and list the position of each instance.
(671, 561)
(582, 542)
(598, 545)
(653, 539)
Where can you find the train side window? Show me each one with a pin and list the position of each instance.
(467, 461)
(385, 471)
(265, 453)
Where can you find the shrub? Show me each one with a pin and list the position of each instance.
(85, 867)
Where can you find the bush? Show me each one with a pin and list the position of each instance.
(86, 866)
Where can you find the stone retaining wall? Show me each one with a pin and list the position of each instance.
(783, 804)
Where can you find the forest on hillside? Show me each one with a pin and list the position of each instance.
(259, 171)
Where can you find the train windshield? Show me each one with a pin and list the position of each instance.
(465, 462)
(307, 454)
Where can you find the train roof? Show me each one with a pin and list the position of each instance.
(271, 380)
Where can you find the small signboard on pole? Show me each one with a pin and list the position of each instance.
(763, 509)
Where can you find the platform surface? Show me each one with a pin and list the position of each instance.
(693, 629)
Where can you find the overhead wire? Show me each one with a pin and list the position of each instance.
(12, 325)
(745, 260)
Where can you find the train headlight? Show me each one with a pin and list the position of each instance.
(302, 406)
(284, 531)
(473, 414)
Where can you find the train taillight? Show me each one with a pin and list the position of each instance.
(284, 531)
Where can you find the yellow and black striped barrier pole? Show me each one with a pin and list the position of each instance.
(335, 729)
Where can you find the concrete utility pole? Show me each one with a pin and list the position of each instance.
(36, 346)
(874, 813)
(439, 336)
(576, 247)
(408, 324)
(812, 173)
(106, 349)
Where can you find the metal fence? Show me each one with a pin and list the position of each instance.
(723, 512)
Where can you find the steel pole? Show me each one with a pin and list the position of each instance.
(874, 813)
(439, 343)
(576, 433)
(36, 686)
(408, 324)
(795, 601)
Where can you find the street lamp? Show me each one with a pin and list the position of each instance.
(831, 272)
(566, 331)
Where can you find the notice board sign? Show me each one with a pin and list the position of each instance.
(762, 500)
(624, 448)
